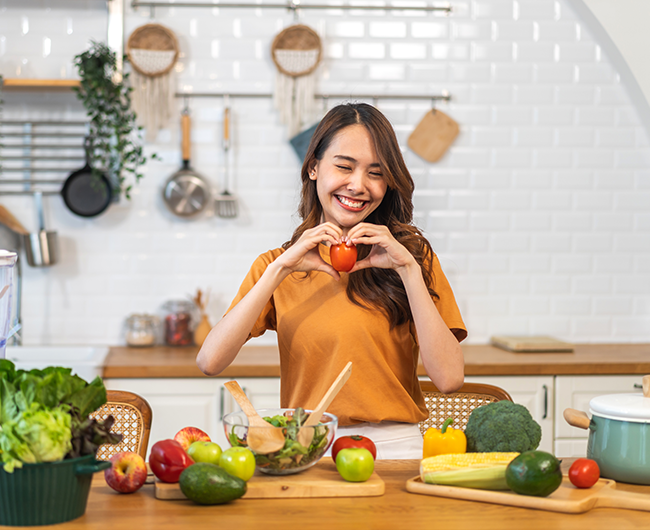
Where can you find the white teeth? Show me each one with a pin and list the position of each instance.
(348, 202)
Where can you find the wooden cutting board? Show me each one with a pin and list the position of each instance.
(531, 344)
(433, 135)
(322, 480)
(566, 499)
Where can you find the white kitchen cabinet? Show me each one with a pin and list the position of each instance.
(196, 402)
(575, 391)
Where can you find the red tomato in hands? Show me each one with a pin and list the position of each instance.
(343, 257)
(584, 473)
(354, 441)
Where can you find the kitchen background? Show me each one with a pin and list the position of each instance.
(539, 210)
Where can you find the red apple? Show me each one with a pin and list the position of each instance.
(189, 435)
(127, 472)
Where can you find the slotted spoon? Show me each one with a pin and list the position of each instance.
(306, 432)
(261, 437)
(226, 202)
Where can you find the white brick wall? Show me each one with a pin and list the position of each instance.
(539, 211)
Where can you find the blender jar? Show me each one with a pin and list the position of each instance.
(7, 262)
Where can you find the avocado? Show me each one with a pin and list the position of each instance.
(206, 483)
(534, 473)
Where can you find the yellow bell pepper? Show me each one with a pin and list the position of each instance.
(444, 441)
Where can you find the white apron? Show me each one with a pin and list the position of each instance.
(394, 440)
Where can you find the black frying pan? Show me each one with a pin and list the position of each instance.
(86, 194)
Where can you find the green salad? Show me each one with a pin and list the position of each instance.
(293, 454)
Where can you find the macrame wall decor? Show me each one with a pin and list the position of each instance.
(296, 52)
(152, 50)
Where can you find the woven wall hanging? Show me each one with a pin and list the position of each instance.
(152, 50)
(296, 52)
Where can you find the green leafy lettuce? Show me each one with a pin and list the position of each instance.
(44, 415)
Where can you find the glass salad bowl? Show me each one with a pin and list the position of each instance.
(293, 457)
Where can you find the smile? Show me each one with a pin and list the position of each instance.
(356, 205)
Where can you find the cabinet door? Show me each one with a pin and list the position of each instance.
(263, 393)
(533, 392)
(178, 403)
(576, 391)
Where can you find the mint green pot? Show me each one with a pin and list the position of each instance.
(621, 449)
(48, 493)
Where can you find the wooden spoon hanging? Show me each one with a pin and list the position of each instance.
(306, 432)
(262, 437)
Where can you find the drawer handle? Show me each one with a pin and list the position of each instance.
(221, 398)
(545, 415)
(637, 385)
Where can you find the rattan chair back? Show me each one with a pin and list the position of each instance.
(132, 416)
(458, 405)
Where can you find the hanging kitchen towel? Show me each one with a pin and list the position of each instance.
(296, 52)
(433, 135)
(152, 50)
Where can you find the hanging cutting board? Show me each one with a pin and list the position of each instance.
(531, 344)
(566, 499)
(322, 480)
(433, 135)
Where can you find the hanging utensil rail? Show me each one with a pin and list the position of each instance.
(291, 6)
(445, 96)
(21, 140)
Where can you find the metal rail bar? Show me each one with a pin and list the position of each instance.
(437, 97)
(40, 146)
(40, 134)
(30, 181)
(30, 192)
(291, 6)
(41, 122)
(36, 170)
(41, 157)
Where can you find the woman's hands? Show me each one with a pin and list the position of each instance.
(386, 252)
(304, 256)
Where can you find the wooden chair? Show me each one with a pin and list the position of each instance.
(457, 405)
(132, 416)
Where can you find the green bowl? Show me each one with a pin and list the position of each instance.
(48, 493)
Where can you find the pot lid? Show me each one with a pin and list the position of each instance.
(623, 407)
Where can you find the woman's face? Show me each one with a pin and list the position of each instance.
(348, 178)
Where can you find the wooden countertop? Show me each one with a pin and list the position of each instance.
(264, 361)
(396, 509)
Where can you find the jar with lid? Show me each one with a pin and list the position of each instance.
(178, 323)
(140, 330)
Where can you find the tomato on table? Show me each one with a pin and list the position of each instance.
(168, 459)
(355, 464)
(343, 257)
(355, 440)
(584, 473)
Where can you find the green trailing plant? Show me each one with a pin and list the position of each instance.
(115, 136)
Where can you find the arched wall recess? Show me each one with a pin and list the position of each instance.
(620, 27)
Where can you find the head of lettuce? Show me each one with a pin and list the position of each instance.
(44, 416)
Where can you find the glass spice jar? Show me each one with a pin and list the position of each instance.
(140, 330)
(178, 323)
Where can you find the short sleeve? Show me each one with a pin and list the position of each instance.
(267, 319)
(446, 301)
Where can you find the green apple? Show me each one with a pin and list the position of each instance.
(209, 452)
(239, 462)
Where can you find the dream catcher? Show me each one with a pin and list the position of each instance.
(152, 50)
(296, 52)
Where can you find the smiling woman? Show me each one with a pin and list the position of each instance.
(392, 306)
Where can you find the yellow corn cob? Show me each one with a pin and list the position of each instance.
(468, 470)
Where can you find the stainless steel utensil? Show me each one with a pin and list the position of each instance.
(226, 202)
(41, 248)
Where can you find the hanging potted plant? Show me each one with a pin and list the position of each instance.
(115, 138)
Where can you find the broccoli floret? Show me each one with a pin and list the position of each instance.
(502, 426)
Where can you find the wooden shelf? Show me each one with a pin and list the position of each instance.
(39, 84)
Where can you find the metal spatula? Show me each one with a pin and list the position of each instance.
(226, 202)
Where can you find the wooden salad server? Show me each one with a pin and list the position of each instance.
(262, 437)
(306, 432)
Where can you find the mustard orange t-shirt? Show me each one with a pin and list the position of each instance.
(319, 330)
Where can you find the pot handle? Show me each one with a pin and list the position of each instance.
(576, 418)
(94, 467)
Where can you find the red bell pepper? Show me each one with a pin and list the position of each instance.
(168, 459)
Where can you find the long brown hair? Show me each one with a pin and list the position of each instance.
(372, 287)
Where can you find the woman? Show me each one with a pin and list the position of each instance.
(394, 304)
